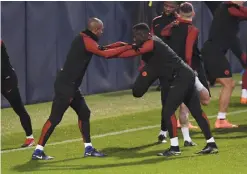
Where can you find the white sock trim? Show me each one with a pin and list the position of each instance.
(163, 133)
(186, 134)
(221, 115)
(244, 93)
(30, 136)
(88, 144)
(211, 140)
(174, 141)
(39, 147)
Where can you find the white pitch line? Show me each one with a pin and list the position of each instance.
(111, 133)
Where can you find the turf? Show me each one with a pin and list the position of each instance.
(134, 151)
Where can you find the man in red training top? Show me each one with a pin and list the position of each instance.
(182, 37)
(68, 80)
(169, 15)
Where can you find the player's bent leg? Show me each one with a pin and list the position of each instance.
(204, 93)
(10, 90)
(204, 96)
(174, 150)
(163, 132)
(184, 120)
(80, 107)
(164, 93)
(145, 79)
(193, 103)
(228, 85)
(59, 106)
(174, 100)
(15, 101)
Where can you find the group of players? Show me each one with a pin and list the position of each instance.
(169, 54)
(222, 37)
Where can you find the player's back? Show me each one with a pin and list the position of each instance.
(167, 61)
(177, 39)
(182, 37)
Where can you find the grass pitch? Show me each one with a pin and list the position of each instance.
(126, 129)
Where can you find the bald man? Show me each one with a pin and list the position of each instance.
(67, 83)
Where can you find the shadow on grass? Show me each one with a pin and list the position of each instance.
(55, 165)
(224, 133)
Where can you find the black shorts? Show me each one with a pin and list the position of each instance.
(216, 64)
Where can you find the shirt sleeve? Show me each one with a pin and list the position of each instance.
(93, 47)
(148, 46)
(240, 12)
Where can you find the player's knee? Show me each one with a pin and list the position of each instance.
(204, 97)
(137, 92)
(231, 84)
(84, 115)
(205, 102)
(184, 117)
(55, 120)
(227, 82)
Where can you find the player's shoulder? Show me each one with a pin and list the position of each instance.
(82, 34)
(156, 39)
(158, 42)
(87, 38)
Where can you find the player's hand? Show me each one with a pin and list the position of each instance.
(102, 48)
(122, 43)
(135, 47)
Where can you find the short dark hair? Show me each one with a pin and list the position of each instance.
(141, 27)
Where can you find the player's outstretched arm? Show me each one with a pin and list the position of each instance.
(240, 12)
(148, 46)
(115, 45)
(93, 47)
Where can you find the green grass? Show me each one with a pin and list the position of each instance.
(133, 152)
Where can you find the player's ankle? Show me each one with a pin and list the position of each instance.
(163, 133)
(29, 137)
(88, 145)
(174, 141)
(39, 147)
(244, 93)
(211, 140)
(221, 116)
